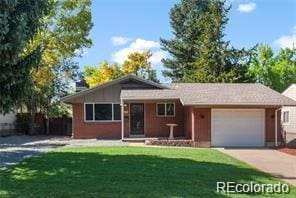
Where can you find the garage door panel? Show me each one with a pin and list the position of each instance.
(238, 127)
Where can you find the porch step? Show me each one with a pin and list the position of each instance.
(139, 140)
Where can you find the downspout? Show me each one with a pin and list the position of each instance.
(276, 127)
(122, 120)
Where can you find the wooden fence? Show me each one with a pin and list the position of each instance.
(60, 126)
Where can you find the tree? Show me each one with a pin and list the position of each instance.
(105, 72)
(20, 21)
(275, 71)
(64, 36)
(138, 63)
(198, 51)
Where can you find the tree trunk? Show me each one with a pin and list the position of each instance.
(32, 128)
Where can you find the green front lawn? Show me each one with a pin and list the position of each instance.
(127, 171)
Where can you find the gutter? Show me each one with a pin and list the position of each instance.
(122, 119)
(276, 126)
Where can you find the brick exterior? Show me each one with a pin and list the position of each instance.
(194, 123)
(156, 126)
(200, 121)
(270, 126)
(188, 121)
(101, 130)
(202, 125)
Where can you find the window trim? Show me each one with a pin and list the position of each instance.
(165, 109)
(287, 122)
(94, 120)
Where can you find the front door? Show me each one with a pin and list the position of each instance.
(137, 118)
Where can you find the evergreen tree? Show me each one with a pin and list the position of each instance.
(198, 51)
(19, 23)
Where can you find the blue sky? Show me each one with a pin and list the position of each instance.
(121, 27)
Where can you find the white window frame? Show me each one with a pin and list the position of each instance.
(165, 109)
(286, 122)
(94, 120)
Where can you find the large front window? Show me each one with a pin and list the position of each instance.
(102, 112)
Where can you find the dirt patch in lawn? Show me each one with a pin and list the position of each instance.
(291, 151)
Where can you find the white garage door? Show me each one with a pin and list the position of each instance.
(238, 127)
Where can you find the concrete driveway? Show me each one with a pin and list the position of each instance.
(15, 148)
(276, 163)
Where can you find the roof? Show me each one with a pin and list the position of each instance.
(213, 94)
(248, 94)
(292, 86)
(110, 83)
(290, 92)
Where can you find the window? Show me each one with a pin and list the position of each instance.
(117, 112)
(89, 112)
(170, 109)
(165, 109)
(102, 112)
(161, 109)
(286, 117)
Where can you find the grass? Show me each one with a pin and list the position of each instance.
(128, 172)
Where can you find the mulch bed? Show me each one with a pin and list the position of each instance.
(166, 142)
(291, 151)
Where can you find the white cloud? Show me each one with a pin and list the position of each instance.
(120, 40)
(287, 41)
(157, 56)
(141, 45)
(246, 7)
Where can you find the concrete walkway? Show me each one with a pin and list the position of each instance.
(276, 163)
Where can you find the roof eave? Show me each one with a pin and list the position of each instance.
(238, 104)
(84, 92)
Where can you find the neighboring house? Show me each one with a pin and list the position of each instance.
(289, 116)
(7, 124)
(210, 114)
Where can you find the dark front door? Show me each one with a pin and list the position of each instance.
(137, 118)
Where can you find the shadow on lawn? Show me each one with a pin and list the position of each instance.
(95, 174)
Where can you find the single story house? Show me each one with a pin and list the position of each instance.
(211, 114)
(289, 116)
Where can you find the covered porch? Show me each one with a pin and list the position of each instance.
(148, 120)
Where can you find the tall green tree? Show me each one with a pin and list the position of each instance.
(277, 71)
(20, 20)
(198, 52)
(65, 35)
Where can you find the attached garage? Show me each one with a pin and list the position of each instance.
(238, 127)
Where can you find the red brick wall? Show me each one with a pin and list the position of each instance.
(188, 121)
(270, 125)
(202, 125)
(101, 130)
(156, 126)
